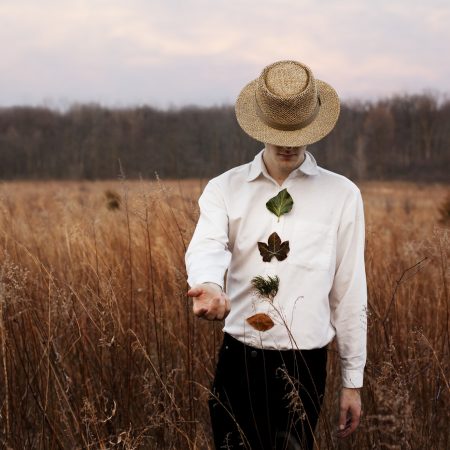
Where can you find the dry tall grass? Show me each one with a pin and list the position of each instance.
(99, 348)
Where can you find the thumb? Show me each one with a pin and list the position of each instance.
(195, 292)
(342, 417)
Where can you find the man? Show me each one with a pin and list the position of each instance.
(290, 235)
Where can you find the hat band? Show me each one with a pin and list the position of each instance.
(287, 127)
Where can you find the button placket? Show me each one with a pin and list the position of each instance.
(284, 230)
(278, 205)
(277, 227)
(270, 268)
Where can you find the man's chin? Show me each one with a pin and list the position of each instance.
(288, 159)
(291, 163)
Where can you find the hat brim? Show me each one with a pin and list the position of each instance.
(252, 124)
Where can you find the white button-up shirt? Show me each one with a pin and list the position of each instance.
(322, 289)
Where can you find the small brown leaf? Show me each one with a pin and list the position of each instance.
(274, 247)
(261, 322)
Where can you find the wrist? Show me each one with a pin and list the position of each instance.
(345, 391)
(211, 283)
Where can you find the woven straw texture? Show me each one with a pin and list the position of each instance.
(287, 106)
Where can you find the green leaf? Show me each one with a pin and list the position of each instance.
(274, 247)
(280, 204)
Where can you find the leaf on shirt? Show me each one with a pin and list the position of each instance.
(280, 204)
(266, 287)
(274, 247)
(261, 322)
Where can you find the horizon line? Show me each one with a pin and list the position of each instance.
(64, 105)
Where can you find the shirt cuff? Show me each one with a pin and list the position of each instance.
(352, 378)
(192, 281)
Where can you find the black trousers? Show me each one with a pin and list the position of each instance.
(266, 399)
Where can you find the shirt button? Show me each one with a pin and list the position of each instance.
(254, 353)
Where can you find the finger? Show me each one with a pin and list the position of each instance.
(217, 308)
(222, 314)
(222, 308)
(199, 311)
(342, 417)
(210, 315)
(344, 433)
(227, 307)
(347, 432)
(351, 425)
(195, 292)
(356, 414)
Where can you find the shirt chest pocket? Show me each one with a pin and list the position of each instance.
(311, 245)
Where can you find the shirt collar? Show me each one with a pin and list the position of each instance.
(257, 166)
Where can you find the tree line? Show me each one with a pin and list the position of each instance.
(405, 137)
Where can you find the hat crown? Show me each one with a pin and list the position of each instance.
(286, 94)
(287, 106)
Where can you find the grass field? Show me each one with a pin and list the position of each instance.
(99, 348)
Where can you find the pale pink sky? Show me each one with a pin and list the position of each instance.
(177, 52)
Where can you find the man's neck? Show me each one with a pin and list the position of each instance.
(278, 172)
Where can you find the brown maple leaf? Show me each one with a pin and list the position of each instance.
(274, 247)
(261, 322)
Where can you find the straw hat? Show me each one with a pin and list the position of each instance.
(287, 106)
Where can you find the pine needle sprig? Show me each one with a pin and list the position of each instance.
(266, 287)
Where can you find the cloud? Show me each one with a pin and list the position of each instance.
(199, 51)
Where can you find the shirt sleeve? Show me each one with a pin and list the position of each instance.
(348, 296)
(208, 257)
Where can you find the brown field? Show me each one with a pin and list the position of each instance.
(99, 348)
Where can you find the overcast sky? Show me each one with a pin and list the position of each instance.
(177, 52)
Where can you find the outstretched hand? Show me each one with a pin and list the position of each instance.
(210, 302)
(349, 411)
